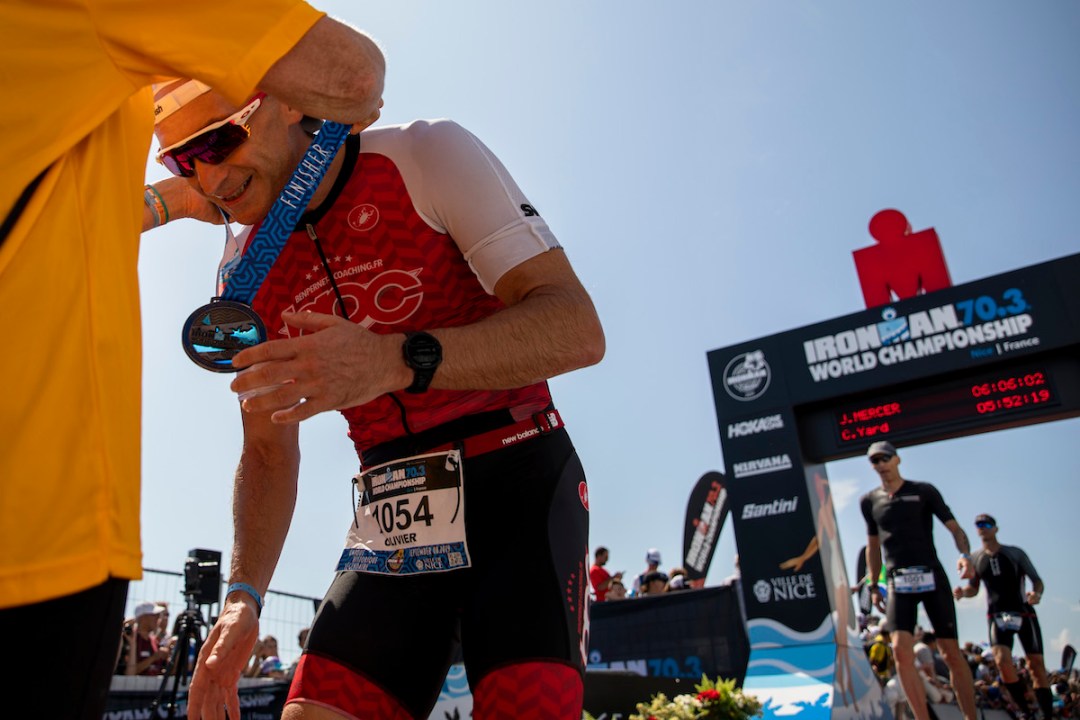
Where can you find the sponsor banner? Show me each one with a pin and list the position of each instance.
(680, 634)
(995, 319)
(965, 326)
(705, 514)
(755, 426)
(779, 557)
(747, 375)
(779, 506)
(1068, 657)
(762, 465)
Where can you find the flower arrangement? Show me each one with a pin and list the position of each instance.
(719, 700)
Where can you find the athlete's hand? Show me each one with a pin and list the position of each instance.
(183, 199)
(214, 686)
(1033, 597)
(879, 598)
(368, 121)
(335, 364)
(963, 565)
(958, 593)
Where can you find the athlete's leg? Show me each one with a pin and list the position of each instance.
(379, 648)
(942, 613)
(1003, 658)
(368, 701)
(530, 691)
(524, 654)
(911, 681)
(900, 612)
(1031, 638)
(959, 676)
(1041, 683)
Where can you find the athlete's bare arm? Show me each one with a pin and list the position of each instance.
(264, 495)
(549, 327)
(873, 568)
(963, 564)
(333, 72)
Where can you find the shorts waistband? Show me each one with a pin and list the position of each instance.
(534, 426)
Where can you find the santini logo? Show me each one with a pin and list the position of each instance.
(755, 426)
(761, 466)
(750, 511)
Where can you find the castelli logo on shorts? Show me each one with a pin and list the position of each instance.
(363, 217)
(583, 493)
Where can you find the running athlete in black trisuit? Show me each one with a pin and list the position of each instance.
(1002, 568)
(899, 522)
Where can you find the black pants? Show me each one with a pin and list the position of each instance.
(62, 652)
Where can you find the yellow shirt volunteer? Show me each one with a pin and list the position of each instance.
(75, 98)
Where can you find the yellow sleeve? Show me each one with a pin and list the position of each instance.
(228, 44)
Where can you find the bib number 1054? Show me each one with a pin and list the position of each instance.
(397, 514)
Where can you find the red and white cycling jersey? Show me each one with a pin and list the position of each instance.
(420, 224)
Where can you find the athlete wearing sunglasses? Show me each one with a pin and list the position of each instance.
(899, 527)
(428, 209)
(1005, 571)
(212, 144)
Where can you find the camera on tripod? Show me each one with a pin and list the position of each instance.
(202, 577)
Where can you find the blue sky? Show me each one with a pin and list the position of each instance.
(709, 168)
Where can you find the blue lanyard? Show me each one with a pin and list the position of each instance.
(240, 278)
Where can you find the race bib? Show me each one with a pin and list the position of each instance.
(913, 580)
(410, 518)
(1008, 621)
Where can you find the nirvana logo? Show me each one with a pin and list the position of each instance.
(764, 465)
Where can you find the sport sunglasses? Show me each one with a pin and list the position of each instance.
(984, 524)
(212, 144)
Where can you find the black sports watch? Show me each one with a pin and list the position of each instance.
(423, 353)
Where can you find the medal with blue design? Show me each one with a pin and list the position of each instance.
(217, 331)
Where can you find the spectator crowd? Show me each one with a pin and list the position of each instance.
(147, 645)
(607, 586)
(990, 691)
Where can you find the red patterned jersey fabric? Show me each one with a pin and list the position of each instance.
(383, 232)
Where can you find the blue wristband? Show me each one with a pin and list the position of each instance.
(244, 587)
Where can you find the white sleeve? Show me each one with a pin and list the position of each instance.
(459, 187)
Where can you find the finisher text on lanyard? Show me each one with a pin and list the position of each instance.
(216, 332)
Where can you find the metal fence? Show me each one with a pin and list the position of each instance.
(284, 614)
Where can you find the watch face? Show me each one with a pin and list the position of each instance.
(423, 351)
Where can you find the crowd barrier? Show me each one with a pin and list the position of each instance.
(636, 648)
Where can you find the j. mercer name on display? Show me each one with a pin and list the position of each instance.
(761, 466)
(755, 426)
(979, 325)
(779, 506)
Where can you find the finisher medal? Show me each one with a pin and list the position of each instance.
(217, 332)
